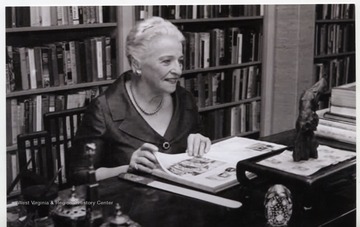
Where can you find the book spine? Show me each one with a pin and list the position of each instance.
(75, 15)
(38, 67)
(60, 65)
(336, 124)
(32, 70)
(53, 66)
(9, 139)
(38, 113)
(14, 120)
(67, 64)
(13, 72)
(73, 62)
(45, 15)
(108, 58)
(99, 59)
(35, 16)
(340, 110)
(45, 67)
(336, 133)
(235, 119)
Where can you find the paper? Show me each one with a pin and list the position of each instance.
(327, 156)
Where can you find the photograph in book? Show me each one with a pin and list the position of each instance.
(216, 170)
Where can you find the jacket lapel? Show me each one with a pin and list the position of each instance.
(184, 110)
(122, 111)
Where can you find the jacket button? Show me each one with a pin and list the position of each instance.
(166, 145)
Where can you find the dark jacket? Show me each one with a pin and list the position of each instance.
(114, 125)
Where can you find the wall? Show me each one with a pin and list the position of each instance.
(288, 63)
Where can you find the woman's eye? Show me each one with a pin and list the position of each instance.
(166, 61)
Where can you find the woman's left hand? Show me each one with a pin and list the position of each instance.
(197, 145)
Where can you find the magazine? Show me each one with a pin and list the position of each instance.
(216, 170)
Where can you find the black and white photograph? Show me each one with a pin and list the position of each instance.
(253, 104)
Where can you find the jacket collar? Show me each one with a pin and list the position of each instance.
(122, 109)
(117, 98)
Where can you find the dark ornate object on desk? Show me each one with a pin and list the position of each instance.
(70, 211)
(307, 121)
(119, 219)
(278, 205)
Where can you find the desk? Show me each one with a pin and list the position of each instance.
(153, 207)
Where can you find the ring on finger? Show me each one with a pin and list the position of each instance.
(136, 166)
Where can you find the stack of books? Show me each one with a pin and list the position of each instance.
(338, 122)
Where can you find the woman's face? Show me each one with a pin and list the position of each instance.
(161, 66)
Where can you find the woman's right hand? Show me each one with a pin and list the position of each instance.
(143, 158)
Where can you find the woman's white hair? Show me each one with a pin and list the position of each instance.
(144, 31)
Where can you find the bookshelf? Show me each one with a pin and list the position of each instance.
(50, 51)
(223, 63)
(48, 60)
(334, 45)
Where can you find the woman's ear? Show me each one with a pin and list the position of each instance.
(135, 66)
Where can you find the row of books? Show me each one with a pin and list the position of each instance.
(197, 11)
(334, 38)
(335, 11)
(215, 88)
(233, 120)
(36, 16)
(338, 71)
(26, 115)
(58, 64)
(338, 122)
(221, 47)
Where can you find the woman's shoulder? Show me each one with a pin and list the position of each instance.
(185, 97)
(182, 91)
(112, 93)
(118, 83)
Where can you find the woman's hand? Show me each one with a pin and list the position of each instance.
(197, 145)
(143, 158)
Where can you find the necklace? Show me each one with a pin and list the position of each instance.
(140, 108)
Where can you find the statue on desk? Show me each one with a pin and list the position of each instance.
(307, 121)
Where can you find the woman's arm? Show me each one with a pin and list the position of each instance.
(103, 173)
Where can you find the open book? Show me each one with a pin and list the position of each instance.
(216, 170)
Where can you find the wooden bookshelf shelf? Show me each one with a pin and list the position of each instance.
(220, 68)
(319, 57)
(38, 91)
(227, 105)
(60, 27)
(335, 21)
(220, 19)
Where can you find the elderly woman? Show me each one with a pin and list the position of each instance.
(143, 111)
